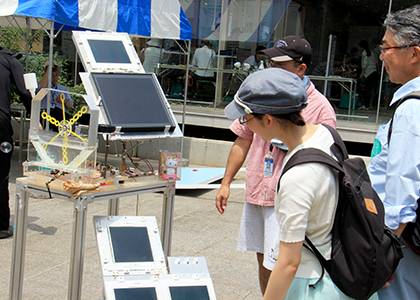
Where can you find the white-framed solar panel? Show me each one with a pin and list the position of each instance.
(131, 102)
(134, 103)
(133, 287)
(129, 245)
(107, 52)
(167, 287)
(188, 286)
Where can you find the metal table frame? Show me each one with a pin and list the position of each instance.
(26, 186)
(342, 81)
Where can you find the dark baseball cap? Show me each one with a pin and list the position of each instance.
(269, 91)
(290, 47)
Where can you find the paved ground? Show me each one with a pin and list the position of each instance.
(199, 230)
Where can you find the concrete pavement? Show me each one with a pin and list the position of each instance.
(199, 230)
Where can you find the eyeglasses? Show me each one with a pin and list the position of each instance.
(243, 121)
(274, 64)
(385, 49)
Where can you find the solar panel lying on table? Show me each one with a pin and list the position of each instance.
(129, 245)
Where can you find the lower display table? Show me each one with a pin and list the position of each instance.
(26, 186)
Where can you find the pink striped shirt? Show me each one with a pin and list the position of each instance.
(260, 189)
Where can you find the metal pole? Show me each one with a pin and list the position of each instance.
(28, 27)
(51, 54)
(75, 68)
(167, 217)
(77, 251)
(381, 78)
(184, 109)
(19, 242)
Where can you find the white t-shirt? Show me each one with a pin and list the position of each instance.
(306, 202)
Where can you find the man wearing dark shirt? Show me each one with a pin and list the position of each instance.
(11, 71)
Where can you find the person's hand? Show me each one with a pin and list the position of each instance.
(39, 126)
(222, 197)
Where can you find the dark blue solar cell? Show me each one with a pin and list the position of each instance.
(109, 52)
(148, 293)
(189, 292)
(135, 102)
(130, 244)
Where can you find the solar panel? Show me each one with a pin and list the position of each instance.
(148, 293)
(109, 51)
(199, 292)
(129, 245)
(134, 102)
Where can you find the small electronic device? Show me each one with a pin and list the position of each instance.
(129, 245)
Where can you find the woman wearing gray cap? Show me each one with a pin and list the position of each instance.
(269, 103)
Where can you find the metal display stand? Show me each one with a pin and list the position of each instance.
(27, 186)
(348, 84)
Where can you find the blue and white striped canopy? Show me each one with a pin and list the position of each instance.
(149, 18)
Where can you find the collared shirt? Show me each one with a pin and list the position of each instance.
(260, 189)
(204, 58)
(54, 95)
(395, 167)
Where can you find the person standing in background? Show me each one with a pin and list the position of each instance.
(11, 71)
(259, 229)
(57, 98)
(255, 60)
(151, 55)
(394, 169)
(369, 74)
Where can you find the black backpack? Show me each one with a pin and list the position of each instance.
(411, 233)
(365, 253)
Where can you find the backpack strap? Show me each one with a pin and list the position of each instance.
(341, 151)
(413, 95)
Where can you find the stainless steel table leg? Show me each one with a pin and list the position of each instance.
(21, 132)
(167, 217)
(113, 207)
(77, 251)
(19, 242)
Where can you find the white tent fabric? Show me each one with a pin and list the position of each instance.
(149, 18)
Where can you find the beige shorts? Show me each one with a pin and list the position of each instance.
(259, 232)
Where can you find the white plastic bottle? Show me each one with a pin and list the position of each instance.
(261, 67)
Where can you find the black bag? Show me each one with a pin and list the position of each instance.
(411, 233)
(365, 253)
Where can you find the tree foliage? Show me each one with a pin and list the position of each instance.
(10, 38)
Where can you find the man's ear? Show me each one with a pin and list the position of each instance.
(415, 54)
(302, 69)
